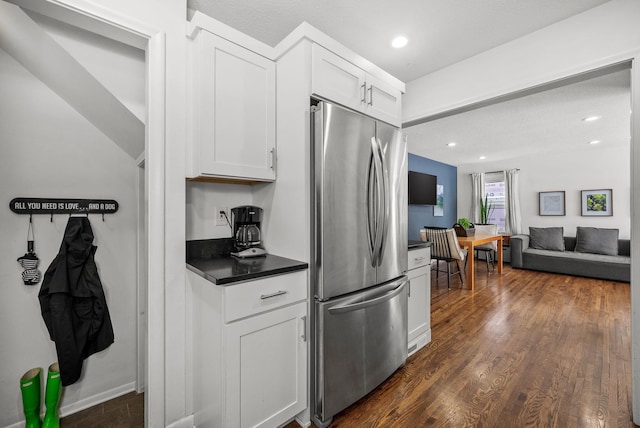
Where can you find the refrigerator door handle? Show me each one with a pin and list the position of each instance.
(371, 221)
(367, 303)
(379, 202)
(384, 203)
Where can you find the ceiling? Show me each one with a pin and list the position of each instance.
(549, 121)
(440, 32)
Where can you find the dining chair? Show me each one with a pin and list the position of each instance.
(489, 249)
(446, 248)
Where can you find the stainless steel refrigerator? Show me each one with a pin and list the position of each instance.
(359, 246)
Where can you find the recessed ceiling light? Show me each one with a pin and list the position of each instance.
(594, 142)
(590, 118)
(399, 42)
(451, 144)
(482, 157)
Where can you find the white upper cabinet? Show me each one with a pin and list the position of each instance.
(383, 101)
(338, 80)
(234, 107)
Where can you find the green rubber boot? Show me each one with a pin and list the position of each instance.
(52, 397)
(30, 387)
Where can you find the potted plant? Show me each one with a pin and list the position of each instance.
(464, 227)
(486, 208)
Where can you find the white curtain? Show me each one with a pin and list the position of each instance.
(477, 193)
(513, 217)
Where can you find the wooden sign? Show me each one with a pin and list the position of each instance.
(63, 206)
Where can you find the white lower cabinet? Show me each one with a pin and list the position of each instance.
(419, 298)
(249, 371)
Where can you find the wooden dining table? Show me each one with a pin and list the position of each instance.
(469, 242)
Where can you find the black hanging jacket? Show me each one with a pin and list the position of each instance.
(72, 301)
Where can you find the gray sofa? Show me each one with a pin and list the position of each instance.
(614, 264)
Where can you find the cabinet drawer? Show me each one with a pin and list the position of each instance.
(253, 297)
(419, 257)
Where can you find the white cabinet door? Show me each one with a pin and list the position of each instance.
(418, 304)
(340, 81)
(266, 367)
(234, 95)
(419, 298)
(383, 101)
(336, 79)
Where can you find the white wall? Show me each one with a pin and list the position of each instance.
(49, 150)
(123, 74)
(596, 168)
(203, 202)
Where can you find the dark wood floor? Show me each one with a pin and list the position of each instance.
(525, 349)
(126, 411)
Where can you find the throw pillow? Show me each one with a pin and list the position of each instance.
(546, 238)
(595, 240)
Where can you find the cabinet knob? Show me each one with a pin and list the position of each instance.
(364, 93)
(370, 95)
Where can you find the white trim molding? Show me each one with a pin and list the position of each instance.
(635, 243)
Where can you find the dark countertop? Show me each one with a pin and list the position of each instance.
(211, 260)
(419, 244)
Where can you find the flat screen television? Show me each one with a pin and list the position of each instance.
(422, 188)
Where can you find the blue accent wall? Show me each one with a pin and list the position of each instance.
(422, 215)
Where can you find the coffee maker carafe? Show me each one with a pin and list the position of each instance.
(246, 231)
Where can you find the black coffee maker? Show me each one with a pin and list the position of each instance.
(246, 231)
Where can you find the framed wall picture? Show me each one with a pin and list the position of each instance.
(552, 203)
(438, 208)
(597, 203)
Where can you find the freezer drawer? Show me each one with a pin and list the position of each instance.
(361, 340)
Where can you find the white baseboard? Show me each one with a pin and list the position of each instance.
(186, 422)
(85, 403)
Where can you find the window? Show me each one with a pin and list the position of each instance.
(495, 192)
